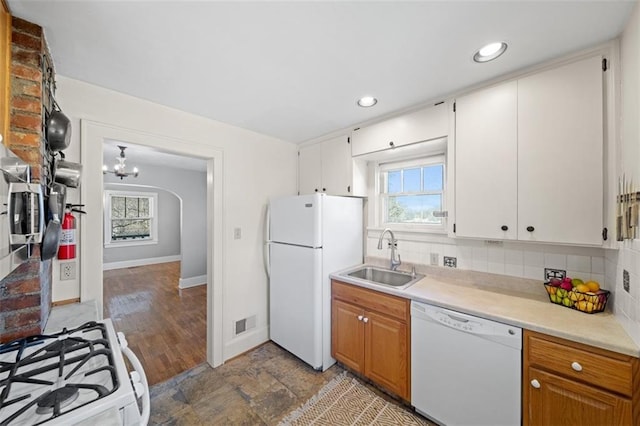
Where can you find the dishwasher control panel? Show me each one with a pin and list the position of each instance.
(488, 329)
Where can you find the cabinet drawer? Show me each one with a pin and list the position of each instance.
(392, 306)
(604, 369)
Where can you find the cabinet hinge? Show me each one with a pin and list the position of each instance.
(604, 64)
(348, 140)
(454, 107)
(454, 228)
(605, 233)
(349, 188)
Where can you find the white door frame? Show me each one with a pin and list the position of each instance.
(92, 135)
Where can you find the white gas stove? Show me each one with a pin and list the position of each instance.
(72, 376)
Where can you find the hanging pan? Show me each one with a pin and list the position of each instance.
(58, 129)
(51, 239)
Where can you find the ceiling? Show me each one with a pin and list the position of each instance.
(140, 155)
(294, 70)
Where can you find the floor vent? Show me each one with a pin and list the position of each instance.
(245, 324)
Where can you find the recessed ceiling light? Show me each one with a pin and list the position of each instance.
(490, 52)
(367, 101)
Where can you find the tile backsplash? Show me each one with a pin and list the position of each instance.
(626, 303)
(505, 258)
(516, 259)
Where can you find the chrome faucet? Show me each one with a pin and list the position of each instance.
(392, 241)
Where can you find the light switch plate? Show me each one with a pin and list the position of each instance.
(237, 233)
(434, 259)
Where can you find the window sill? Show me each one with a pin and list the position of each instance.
(405, 234)
(130, 243)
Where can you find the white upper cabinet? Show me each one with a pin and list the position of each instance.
(529, 158)
(560, 162)
(310, 169)
(326, 167)
(486, 156)
(418, 126)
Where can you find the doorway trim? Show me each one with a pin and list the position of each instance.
(92, 135)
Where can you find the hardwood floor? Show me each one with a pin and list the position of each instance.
(165, 326)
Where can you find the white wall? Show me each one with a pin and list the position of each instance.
(256, 167)
(627, 305)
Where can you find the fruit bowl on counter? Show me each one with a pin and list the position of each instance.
(575, 294)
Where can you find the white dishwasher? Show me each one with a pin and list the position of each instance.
(465, 370)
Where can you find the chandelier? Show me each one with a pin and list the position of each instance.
(120, 169)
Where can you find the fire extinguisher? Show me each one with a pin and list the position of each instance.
(67, 248)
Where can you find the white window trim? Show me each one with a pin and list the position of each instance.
(108, 242)
(380, 167)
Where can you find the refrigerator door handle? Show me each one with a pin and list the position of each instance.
(267, 240)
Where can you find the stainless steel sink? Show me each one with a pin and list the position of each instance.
(395, 279)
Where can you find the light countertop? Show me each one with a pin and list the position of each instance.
(524, 304)
(70, 316)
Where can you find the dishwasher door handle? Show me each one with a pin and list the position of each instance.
(455, 318)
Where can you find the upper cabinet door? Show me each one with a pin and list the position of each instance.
(486, 163)
(336, 166)
(310, 169)
(560, 163)
(422, 125)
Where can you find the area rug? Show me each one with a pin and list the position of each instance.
(344, 402)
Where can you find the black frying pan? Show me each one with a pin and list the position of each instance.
(51, 238)
(58, 130)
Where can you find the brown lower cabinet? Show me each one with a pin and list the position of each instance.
(568, 383)
(371, 335)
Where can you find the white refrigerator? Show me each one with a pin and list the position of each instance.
(310, 236)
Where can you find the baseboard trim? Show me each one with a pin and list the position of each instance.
(140, 262)
(192, 282)
(65, 302)
(245, 342)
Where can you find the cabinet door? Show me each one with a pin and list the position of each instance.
(386, 353)
(486, 163)
(560, 162)
(336, 166)
(347, 334)
(558, 401)
(418, 126)
(310, 169)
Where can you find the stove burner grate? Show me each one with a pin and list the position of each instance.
(53, 401)
(65, 353)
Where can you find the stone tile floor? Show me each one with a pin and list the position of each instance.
(259, 387)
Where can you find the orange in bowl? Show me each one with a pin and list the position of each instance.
(583, 288)
(593, 285)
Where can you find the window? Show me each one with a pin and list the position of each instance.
(130, 218)
(411, 191)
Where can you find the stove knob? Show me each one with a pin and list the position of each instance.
(139, 389)
(122, 340)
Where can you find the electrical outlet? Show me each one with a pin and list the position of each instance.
(450, 262)
(67, 271)
(554, 273)
(434, 259)
(625, 280)
(237, 233)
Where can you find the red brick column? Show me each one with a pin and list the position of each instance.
(25, 295)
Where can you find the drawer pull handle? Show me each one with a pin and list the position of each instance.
(535, 384)
(576, 366)
(365, 319)
(360, 317)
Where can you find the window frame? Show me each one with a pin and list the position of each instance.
(381, 196)
(153, 213)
